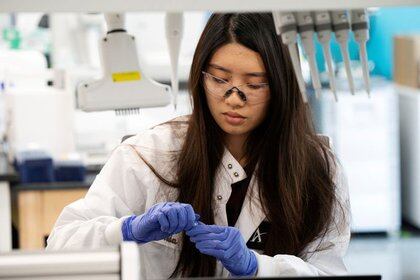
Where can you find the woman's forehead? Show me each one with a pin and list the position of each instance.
(236, 58)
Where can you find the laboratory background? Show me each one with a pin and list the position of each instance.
(59, 121)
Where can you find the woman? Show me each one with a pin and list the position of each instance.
(242, 186)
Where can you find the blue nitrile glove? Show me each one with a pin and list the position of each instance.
(159, 222)
(227, 245)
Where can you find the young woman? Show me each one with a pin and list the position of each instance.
(242, 186)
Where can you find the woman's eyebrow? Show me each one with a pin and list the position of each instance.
(251, 74)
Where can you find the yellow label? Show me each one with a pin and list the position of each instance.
(126, 76)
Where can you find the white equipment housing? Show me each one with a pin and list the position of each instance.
(410, 153)
(111, 263)
(124, 86)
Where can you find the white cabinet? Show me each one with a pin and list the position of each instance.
(365, 135)
(410, 153)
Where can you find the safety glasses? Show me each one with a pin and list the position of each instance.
(250, 93)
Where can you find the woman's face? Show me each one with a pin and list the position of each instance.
(234, 65)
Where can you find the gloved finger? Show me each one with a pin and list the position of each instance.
(163, 221)
(207, 244)
(218, 254)
(203, 228)
(191, 218)
(172, 216)
(209, 236)
(237, 256)
(163, 205)
(234, 250)
(182, 218)
(232, 238)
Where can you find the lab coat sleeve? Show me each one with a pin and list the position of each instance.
(327, 259)
(116, 193)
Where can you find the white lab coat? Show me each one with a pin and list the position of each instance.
(126, 186)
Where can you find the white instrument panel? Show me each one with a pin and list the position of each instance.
(115, 6)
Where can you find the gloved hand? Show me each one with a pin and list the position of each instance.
(225, 244)
(159, 222)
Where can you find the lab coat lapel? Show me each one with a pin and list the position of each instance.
(251, 214)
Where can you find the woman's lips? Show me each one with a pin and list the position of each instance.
(234, 119)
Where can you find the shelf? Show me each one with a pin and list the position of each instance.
(85, 6)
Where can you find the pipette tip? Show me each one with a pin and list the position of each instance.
(335, 94)
(317, 93)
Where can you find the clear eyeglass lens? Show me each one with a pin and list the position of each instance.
(253, 92)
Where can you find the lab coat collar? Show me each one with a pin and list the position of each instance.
(232, 167)
(252, 213)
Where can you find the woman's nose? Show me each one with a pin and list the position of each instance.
(235, 98)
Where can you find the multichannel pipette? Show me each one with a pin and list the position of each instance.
(306, 30)
(286, 27)
(341, 26)
(323, 27)
(360, 27)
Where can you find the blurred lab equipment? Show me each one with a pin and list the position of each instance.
(323, 27)
(341, 26)
(306, 29)
(34, 166)
(108, 263)
(286, 27)
(407, 60)
(124, 87)
(69, 171)
(407, 75)
(288, 24)
(37, 166)
(174, 25)
(41, 118)
(34, 114)
(360, 27)
(364, 134)
(410, 153)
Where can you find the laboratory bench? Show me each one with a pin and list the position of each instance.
(38, 205)
(33, 208)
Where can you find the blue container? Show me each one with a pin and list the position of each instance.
(70, 171)
(34, 167)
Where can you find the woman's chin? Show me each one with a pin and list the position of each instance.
(234, 130)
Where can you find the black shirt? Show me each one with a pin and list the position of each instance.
(233, 209)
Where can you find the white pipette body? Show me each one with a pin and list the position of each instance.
(174, 26)
(306, 30)
(323, 27)
(360, 27)
(286, 27)
(341, 27)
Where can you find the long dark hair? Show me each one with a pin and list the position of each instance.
(295, 167)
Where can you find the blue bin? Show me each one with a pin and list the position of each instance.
(34, 167)
(70, 171)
